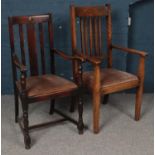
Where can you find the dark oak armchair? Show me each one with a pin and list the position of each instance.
(101, 82)
(38, 86)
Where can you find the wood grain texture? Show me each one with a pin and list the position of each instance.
(26, 19)
(91, 11)
(90, 35)
(51, 43)
(46, 85)
(96, 39)
(74, 42)
(82, 35)
(31, 34)
(100, 35)
(21, 34)
(96, 98)
(109, 35)
(139, 93)
(86, 35)
(41, 35)
(37, 87)
(129, 50)
(111, 80)
(100, 82)
(14, 73)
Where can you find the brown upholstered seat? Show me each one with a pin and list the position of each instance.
(110, 78)
(45, 85)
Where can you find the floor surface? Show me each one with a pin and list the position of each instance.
(119, 134)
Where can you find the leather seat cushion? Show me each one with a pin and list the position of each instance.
(110, 78)
(38, 86)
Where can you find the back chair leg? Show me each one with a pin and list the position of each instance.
(16, 106)
(52, 107)
(105, 99)
(73, 103)
(80, 125)
(139, 94)
(27, 139)
(96, 111)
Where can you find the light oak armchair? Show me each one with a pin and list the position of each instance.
(101, 82)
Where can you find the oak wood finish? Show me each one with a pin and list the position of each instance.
(38, 86)
(101, 82)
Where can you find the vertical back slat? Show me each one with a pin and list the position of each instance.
(90, 35)
(96, 35)
(11, 36)
(51, 42)
(74, 42)
(109, 35)
(41, 35)
(91, 29)
(82, 35)
(21, 35)
(31, 34)
(73, 27)
(85, 36)
(11, 33)
(100, 35)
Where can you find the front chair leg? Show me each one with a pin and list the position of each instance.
(27, 139)
(139, 94)
(80, 125)
(96, 111)
(105, 99)
(52, 107)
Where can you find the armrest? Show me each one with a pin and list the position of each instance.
(94, 60)
(22, 70)
(18, 64)
(67, 57)
(132, 51)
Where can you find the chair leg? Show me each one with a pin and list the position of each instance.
(52, 107)
(27, 139)
(73, 103)
(16, 106)
(139, 94)
(96, 111)
(80, 125)
(105, 99)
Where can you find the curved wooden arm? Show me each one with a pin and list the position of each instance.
(67, 57)
(18, 64)
(132, 51)
(22, 70)
(94, 60)
(141, 66)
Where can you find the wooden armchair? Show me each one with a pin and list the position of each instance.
(101, 82)
(43, 86)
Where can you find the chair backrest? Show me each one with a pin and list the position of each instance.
(91, 29)
(34, 25)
